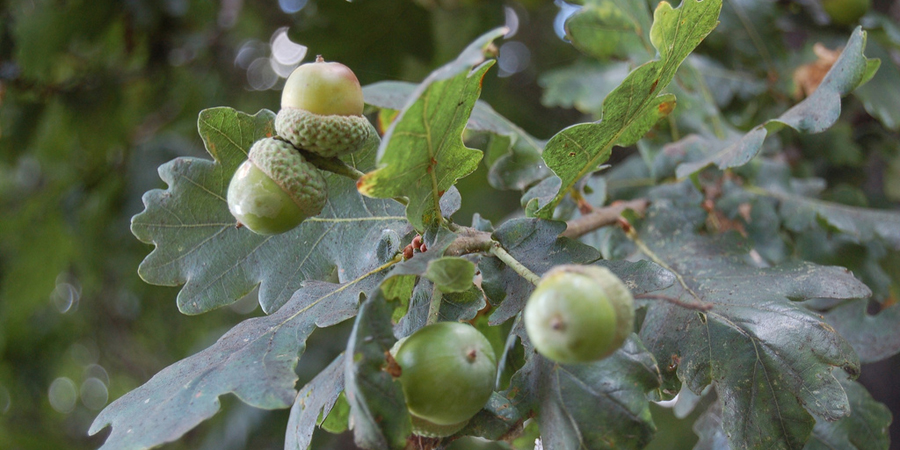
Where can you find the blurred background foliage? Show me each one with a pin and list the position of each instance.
(95, 95)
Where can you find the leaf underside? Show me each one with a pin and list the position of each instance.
(255, 361)
(198, 245)
(315, 399)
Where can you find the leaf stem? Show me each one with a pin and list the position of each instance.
(434, 308)
(333, 165)
(338, 167)
(514, 264)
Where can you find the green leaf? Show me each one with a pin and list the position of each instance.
(874, 337)
(518, 167)
(760, 224)
(607, 29)
(700, 86)
(338, 419)
(599, 405)
(396, 94)
(516, 164)
(377, 406)
(198, 245)
(541, 195)
(519, 164)
(460, 305)
(631, 109)
(866, 428)
(255, 361)
(815, 114)
(498, 417)
(451, 274)
(389, 95)
(316, 399)
(455, 307)
(422, 154)
(862, 224)
(770, 359)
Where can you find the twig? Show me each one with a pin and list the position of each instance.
(602, 217)
(697, 306)
(469, 240)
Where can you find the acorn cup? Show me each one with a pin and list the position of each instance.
(321, 110)
(275, 189)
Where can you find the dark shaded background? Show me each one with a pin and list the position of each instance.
(95, 95)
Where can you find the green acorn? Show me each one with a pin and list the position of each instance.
(321, 110)
(448, 372)
(579, 314)
(275, 189)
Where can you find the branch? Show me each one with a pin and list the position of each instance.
(470, 240)
(602, 217)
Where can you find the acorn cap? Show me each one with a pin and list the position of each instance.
(281, 162)
(618, 294)
(324, 135)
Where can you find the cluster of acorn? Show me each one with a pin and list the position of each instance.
(277, 188)
(577, 314)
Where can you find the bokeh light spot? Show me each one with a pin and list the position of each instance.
(63, 395)
(291, 6)
(514, 57)
(559, 23)
(284, 50)
(260, 74)
(94, 394)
